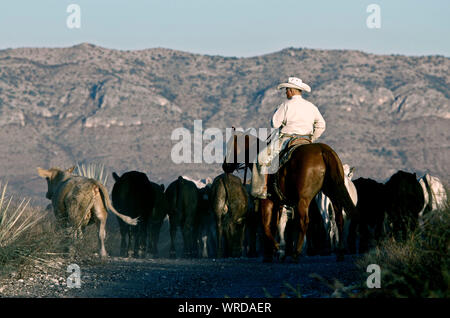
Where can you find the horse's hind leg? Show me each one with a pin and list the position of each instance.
(283, 219)
(303, 220)
(269, 241)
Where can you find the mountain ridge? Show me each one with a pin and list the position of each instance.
(120, 107)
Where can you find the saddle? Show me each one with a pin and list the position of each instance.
(294, 143)
(284, 157)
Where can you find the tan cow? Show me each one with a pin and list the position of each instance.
(79, 201)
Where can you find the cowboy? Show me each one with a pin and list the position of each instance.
(296, 119)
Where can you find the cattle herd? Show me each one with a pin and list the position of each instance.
(221, 219)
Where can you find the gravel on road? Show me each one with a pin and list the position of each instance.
(312, 277)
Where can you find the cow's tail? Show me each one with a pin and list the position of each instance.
(109, 207)
(335, 178)
(226, 183)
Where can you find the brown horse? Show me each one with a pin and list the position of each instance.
(311, 168)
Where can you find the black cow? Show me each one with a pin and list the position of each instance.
(405, 200)
(183, 196)
(371, 209)
(132, 195)
(159, 212)
(205, 224)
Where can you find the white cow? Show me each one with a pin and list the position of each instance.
(326, 209)
(434, 194)
(199, 183)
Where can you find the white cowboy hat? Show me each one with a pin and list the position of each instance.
(295, 82)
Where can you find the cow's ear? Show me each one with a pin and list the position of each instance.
(44, 173)
(71, 169)
(115, 176)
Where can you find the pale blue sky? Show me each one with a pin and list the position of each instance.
(231, 27)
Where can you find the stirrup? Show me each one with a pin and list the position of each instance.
(289, 210)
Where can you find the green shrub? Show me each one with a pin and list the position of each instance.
(418, 267)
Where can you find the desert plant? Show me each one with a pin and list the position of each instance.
(14, 222)
(23, 233)
(418, 267)
(93, 171)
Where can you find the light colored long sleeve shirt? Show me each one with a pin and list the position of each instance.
(301, 117)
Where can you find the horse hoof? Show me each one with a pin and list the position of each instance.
(281, 256)
(340, 258)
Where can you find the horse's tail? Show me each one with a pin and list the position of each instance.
(335, 181)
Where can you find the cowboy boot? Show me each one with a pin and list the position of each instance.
(262, 194)
(259, 184)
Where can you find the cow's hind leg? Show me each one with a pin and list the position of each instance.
(154, 237)
(142, 238)
(123, 238)
(173, 235)
(352, 235)
(102, 237)
(132, 241)
(219, 233)
(188, 242)
(101, 215)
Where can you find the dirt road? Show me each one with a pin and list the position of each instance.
(187, 278)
